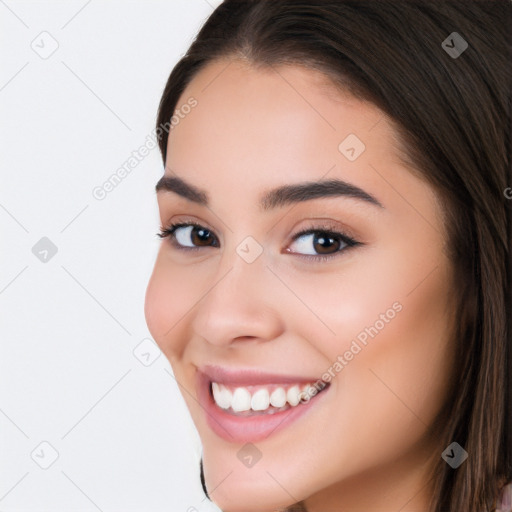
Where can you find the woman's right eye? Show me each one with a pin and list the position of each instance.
(189, 236)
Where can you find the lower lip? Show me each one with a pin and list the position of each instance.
(244, 429)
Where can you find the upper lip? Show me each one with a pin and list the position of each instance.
(249, 376)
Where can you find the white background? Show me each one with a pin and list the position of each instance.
(69, 325)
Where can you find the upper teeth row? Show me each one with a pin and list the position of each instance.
(241, 399)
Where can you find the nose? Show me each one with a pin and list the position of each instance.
(240, 306)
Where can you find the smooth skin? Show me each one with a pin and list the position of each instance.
(366, 445)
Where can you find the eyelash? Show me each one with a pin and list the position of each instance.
(168, 232)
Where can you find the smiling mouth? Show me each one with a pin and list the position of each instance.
(249, 405)
(253, 400)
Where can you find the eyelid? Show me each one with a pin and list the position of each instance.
(180, 220)
(188, 219)
(328, 226)
(336, 233)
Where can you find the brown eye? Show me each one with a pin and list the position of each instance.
(320, 243)
(190, 236)
(201, 236)
(324, 243)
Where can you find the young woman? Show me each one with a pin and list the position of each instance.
(333, 284)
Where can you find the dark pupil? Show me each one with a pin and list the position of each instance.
(201, 236)
(325, 244)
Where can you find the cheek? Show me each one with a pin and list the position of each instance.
(170, 296)
(401, 377)
(393, 308)
(414, 363)
(390, 320)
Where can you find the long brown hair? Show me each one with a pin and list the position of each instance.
(453, 115)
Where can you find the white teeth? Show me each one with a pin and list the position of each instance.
(260, 400)
(278, 397)
(241, 400)
(292, 395)
(222, 396)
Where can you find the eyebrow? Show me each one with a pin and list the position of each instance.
(277, 197)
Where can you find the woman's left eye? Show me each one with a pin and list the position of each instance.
(320, 243)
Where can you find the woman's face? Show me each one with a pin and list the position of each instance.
(271, 282)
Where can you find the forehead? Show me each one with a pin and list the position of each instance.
(254, 125)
